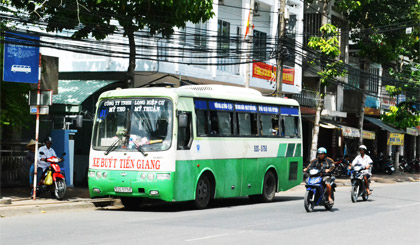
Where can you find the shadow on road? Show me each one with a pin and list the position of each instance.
(159, 206)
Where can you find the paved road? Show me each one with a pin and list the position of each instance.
(391, 216)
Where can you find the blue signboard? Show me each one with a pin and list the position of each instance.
(21, 61)
(220, 106)
(246, 108)
(268, 109)
(289, 111)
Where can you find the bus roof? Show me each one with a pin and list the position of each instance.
(221, 92)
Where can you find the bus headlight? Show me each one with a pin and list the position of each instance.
(98, 174)
(143, 176)
(150, 176)
(91, 174)
(163, 176)
(105, 174)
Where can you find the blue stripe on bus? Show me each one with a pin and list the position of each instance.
(246, 108)
(289, 111)
(268, 109)
(200, 104)
(220, 106)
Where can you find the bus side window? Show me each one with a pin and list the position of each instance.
(254, 124)
(244, 124)
(224, 120)
(269, 125)
(214, 124)
(202, 123)
(291, 126)
(185, 133)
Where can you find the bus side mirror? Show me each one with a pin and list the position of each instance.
(79, 121)
(182, 120)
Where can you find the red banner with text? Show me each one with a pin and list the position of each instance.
(268, 72)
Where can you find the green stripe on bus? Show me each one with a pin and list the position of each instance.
(290, 149)
(282, 150)
(298, 152)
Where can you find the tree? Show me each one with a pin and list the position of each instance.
(331, 68)
(376, 26)
(96, 18)
(405, 114)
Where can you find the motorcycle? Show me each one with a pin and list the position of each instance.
(404, 165)
(358, 186)
(58, 186)
(316, 193)
(384, 165)
(340, 167)
(415, 165)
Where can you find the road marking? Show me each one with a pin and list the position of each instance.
(219, 235)
(407, 205)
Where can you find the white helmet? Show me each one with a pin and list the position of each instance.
(362, 147)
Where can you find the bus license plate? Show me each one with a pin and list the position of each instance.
(123, 189)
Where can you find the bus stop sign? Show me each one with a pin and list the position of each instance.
(21, 58)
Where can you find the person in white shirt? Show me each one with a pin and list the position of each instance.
(45, 152)
(365, 161)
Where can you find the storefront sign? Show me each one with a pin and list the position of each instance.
(350, 132)
(412, 131)
(396, 139)
(372, 111)
(368, 135)
(387, 102)
(268, 72)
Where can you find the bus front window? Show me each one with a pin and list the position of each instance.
(145, 123)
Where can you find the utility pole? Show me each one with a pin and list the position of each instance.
(249, 43)
(281, 25)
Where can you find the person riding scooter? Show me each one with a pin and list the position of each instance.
(47, 151)
(326, 164)
(365, 161)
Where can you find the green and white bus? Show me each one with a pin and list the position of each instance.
(194, 143)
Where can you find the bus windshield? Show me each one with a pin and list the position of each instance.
(129, 124)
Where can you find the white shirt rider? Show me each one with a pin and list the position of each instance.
(48, 152)
(363, 161)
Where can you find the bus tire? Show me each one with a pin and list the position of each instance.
(131, 203)
(269, 187)
(203, 192)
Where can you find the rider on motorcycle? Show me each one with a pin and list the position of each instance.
(47, 152)
(365, 161)
(326, 165)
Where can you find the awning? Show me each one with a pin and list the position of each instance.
(382, 125)
(74, 92)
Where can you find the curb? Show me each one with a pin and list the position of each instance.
(22, 209)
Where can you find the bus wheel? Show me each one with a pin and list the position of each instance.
(203, 192)
(131, 203)
(269, 188)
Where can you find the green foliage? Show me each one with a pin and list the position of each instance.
(328, 45)
(376, 26)
(404, 114)
(96, 17)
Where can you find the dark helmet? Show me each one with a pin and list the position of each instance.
(48, 140)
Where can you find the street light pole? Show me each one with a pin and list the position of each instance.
(281, 24)
(249, 44)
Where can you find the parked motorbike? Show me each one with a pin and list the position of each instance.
(404, 166)
(358, 186)
(341, 166)
(58, 186)
(385, 165)
(415, 165)
(316, 193)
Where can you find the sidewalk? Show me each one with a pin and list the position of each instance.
(16, 201)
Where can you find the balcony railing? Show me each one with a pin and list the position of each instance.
(306, 98)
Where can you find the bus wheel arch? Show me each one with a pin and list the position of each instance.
(205, 189)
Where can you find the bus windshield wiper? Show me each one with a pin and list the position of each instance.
(113, 146)
(139, 148)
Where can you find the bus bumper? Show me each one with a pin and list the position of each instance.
(153, 185)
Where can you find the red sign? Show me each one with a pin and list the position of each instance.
(126, 163)
(268, 72)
